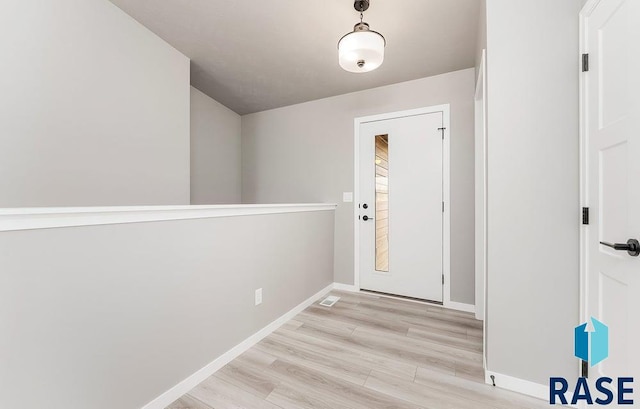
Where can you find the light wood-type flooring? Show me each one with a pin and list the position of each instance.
(365, 352)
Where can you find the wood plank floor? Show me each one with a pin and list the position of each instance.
(365, 352)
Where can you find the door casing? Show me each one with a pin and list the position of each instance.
(446, 232)
(583, 147)
(481, 201)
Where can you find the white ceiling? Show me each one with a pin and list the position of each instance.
(262, 54)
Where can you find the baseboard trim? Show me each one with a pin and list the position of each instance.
(192, 381)
(458, 306)
(452, 305)
(346, 287)
(522, 386)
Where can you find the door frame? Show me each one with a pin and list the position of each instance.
(481, 188)
(446, 225)
(584, 200)
(585, 13)
(481, 199)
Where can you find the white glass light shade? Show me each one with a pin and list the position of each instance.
(361, 51)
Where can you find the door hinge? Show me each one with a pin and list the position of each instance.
(585, 369)
(442, 129)
(585, 215)
(585, 62)
(442, 207)
(443, 279)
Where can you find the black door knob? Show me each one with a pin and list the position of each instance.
(632, 246)
(365, 206)
(365, 218)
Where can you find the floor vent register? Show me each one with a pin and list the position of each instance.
(329, 301)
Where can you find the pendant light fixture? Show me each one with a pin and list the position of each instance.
(361, 50)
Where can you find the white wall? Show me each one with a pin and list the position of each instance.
(215, 151)
(112, 316)
(533, 196)
(94, 108)
(304, 153)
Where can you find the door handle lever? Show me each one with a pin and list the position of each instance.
(365, 218)
(632, 246)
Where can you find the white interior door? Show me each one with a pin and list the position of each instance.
(612, 170)
(401, 206)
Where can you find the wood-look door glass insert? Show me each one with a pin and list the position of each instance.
(382, 203)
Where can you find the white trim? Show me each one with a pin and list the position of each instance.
(482, 245)
(402, 114)
(585, 13)
(588, 8)
(522, 386)
(12, 219)
(446, 196)
(458, 306)
(346, 287)
(356, 202)
(192, 381)
(446, 241)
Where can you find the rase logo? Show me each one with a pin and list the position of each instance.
(592, 347)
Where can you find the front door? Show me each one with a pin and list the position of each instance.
(401, 206)
(612, 170)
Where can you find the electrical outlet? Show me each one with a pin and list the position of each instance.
(259, 296)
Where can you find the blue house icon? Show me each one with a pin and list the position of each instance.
(592, 347)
